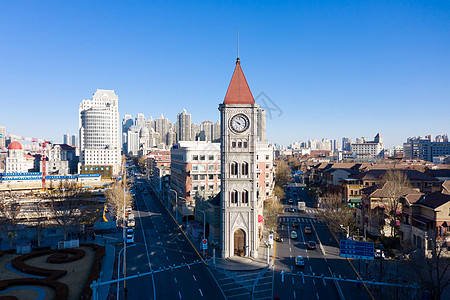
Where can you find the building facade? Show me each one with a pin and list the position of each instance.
(239, 198)
(99, 131)
(369, 150)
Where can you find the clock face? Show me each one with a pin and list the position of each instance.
(239, 123)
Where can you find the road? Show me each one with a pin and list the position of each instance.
(294, 287)
(160, 243)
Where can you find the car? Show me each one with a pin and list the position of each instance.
(378, 254)
(299, 261)
(130, 238)
(290, 201)
(279, 238)
(293, 234)
(288, 188)
(311, 245)
(130, 231)
(295, 224)
(307, 230)
(145, 192)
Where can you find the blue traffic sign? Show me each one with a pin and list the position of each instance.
(356, 249)
(298, 172)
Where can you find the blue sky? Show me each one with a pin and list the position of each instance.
(330, 68)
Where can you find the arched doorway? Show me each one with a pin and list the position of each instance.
(239, 242)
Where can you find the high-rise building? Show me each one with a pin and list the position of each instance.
(184, 126)
(66, 138)
(240, 205)
(140, 121)
(2, 137)
(425, 148)
(162, 127)
(216, 132)
(73, 140)
(133, 140)
(261, 127)
(347, 144)
(206, 131)
(99, 132)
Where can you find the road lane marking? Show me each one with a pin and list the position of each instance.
(175, 279)
(330, 271)
(179, 294)
(200, 292)
(290, 249)
(290, 256)
(167, 257)
(307, 256)
(164, 250)
(317, 295)
(314, 281)
(183, 257)
(310, 268)
(294, 295)
(189, 267)
(194, 277)
(292, 280)
(292, 270)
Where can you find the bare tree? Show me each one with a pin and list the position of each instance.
(9, 220)
(282, 173)
(41, 217)
(71, 206)
(335, 212)
(116, 199)
(272, 208)
(395, 185)
(434, 268)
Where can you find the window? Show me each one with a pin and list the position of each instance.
(267, 175)
(202, 157)
(233, 197)
(239, 144)
(202, 187)
(267, 184)
(195, 187)
(210, 167)
(195, 157)
(210, 177)
(233, 144)
(202, 177)
(211, 187)
(211, 157)
(234, 168)
(201, 167)
(195, 177)
(194, 167)
(245, 168)
(245, 145)
(267, 166)
(267, 157)
(245, 197)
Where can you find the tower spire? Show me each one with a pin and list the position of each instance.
(237, 60)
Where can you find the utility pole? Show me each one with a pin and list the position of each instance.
(204, 228)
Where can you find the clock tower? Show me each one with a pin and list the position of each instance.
(239, 198)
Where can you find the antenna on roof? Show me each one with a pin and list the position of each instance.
(238, 44)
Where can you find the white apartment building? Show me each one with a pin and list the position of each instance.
(369, 150)
(99, 131)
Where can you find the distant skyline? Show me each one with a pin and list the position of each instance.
(326, 69)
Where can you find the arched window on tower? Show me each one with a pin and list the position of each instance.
(245, 168)
(245, 197)
(234, 168)
(233, 197)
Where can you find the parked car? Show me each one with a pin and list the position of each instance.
(279, 238)
(130, 231)
(295, 224)
(308, 230)
(299, 261)
(293, 234)
(291, 201)
(379, 253)
(311, 245)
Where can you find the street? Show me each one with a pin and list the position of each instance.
(159, 244)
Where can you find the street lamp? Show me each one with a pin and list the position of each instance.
(123, 267)
(186, 215)
(204, 227)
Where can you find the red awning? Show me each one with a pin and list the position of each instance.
(260, 219)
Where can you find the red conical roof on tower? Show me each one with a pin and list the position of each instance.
(238, 90)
